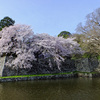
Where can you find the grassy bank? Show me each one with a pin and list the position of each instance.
(19, 76)
(74, 72)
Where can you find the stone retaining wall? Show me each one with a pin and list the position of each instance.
(86, 64)
(69, 65)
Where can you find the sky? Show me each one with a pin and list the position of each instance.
(48, 16)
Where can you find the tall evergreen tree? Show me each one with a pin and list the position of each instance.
(6, 22)
(64, 34)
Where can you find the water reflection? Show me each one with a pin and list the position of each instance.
(67, 89)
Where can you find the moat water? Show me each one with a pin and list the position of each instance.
(62, 89)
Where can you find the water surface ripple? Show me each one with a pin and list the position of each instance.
(62, 89)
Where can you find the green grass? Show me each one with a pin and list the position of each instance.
(20, 76)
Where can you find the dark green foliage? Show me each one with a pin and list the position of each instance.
(64, 34)
(6, 22)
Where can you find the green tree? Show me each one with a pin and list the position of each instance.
(6, 22)
(89, 34)
(64, 34)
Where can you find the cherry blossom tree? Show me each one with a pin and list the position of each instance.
(56, 48)
(12, 44)
(23, 47)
